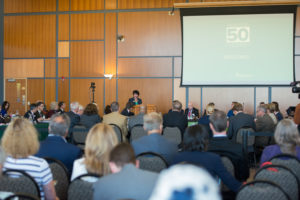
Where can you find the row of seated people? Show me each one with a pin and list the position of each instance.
(24, 152)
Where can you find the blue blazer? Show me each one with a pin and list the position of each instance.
(57, 147)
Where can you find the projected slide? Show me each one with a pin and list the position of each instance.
(248, 49)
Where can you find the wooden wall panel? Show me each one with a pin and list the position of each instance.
(195, 97)
(177, 66)
(145, 67)
(284, 97)
(152, 91)
(137, 4)
(216, 0)
(80, 92)
(87, 5)
(87, 59)
(110, 43)
(35, 90)
(110, 4)
(110, 91)
(63, 91)
(22, 68)
(63, 68)
(29, 36)
(87, 26)
(179, 93)
(25, 6)
(64, 5)
(63, 49)
(149, 34)
(63, 27)
(50, 68)
(50, 91)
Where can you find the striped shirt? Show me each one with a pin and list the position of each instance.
(36, 167)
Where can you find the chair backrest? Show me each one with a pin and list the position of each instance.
(21, 196)
(79, 134)
(137, 132)
(282, 176)
(17, 181)
(80, 189)
(239, 136)
(260, 189)
(173, 134)
(288, 161)
(152, 162)
(61, 176)
(118, 132)
(230, 168)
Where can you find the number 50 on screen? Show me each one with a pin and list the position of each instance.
(236, 34)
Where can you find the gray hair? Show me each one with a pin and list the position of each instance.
(152, 121)
(59, 124)
(176, 105)
(53, 105)
(262, 108)
(74, 106)
(2, 156)
(114, 106)
(219, 120)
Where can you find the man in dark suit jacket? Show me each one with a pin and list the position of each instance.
(191, 112)
(175, 118)
(239, 120)
(30, 114)
(74, 118)
(222, 146)
(56, 146)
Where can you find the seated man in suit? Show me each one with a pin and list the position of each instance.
(137, 119)
(221, 145)
(239, 120)
(74, 118)
(154, 142)
(40, 110)
(191, 112)
(175, 118)
(30, 114)
(127, 181)
(56, 146)
(61, 107)
(116, 118)
(127, 110)
(135, 99)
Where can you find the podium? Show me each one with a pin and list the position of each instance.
(136, 109)
(150, 108)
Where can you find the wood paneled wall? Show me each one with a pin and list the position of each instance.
(66, 51)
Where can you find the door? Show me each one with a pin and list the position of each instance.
(15, 94)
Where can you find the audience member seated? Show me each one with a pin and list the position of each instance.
(135, 99)
(53, 109)
(154, 142)
(127, 110)
(221, 145)
(74, 117)
(80, 110)
(40, 111)
(185, 182)
(204, 120)
(20, 142)
(116, 118)
(195, 143)
(137, 119)
(61, 107)
(175, 118)
(107, 109)
(56, 146)
(100, 140)
(239, 120)
(127, 181)
(3, 194)
(4, 108)
(230, 112)
(271, 112)
(30, 114)
(287, 141)
(90, 116)
(210, 104)
(277, 112)
(191, 112)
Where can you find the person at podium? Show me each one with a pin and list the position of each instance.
(135, 99)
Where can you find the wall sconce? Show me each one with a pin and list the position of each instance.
(109, 76)
(121, 38)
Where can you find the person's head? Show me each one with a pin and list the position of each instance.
(195, 138)
(107, 109)
(40, 106)
(59, 125)
(261, 110)
(233, 103)
(210, 108)
(135, 93)
(100, 140)
(276, 106)
(33, 107)
(190, 105)
(176, 106)
(2, 159)
(238, 107)
(153, 123)
(90, 109)
(20, 139)
(218, 122)
(262, 103)
(80, 109)
(287, 136)
(142, 109)
(61, 105)
(271, 107)
(114, 106)
(129, 105)
(53, 105)
(74, 106)
(5, 105)
(121, 155)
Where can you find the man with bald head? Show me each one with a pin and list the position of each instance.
(191, 112)
(137, 119)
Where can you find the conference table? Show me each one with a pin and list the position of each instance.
(42, 129)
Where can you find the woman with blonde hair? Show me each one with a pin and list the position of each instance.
(100, 140)
(287, 140)
(20, 142)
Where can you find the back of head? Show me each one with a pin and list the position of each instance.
(90, 109)
(100, 140)
(219, 121)
(59, 124)
(107, 109)
(238, 107)
(152, 121)
(114, 106)
(195, 138)
(74, 106)
(20, 139)
(271, 107)
(262, 108)
(176, 105)
(276, 106)
(122, 154)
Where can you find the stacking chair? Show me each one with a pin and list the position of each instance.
(173, 134)
(249, 148)
(21, 196)
(230, 168)
(152, 162)
(118, 132)
(79, 135)
(137, 132)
